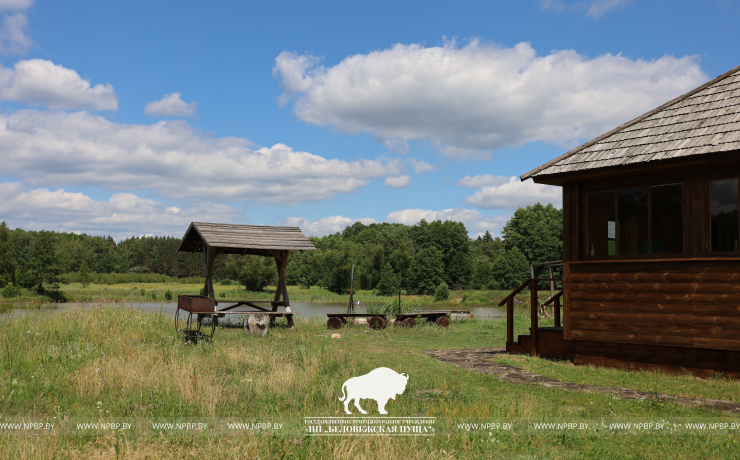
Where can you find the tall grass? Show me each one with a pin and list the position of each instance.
(100, 362)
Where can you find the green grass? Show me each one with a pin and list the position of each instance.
(142, 292)
(111, 364)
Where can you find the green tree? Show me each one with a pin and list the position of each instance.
(45, 264)
(426, 271)
(84, 274)
(451, 238)
(538, 233)
(255, 272)
(7, 257)
(388, 284)
(442, 292)
(510, 269)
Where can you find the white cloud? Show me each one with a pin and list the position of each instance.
(482, 180)
(324, 226)
(598, 8)
(473, 220)
(594, 8)
(15, 5)
(510, 194)
(398, 182)
(397, 145)
(556, 5)
(176, 161)
(121, 216)
(13, 34)
(14, 37)
(41, 82)
(171, 106)
(478, 97)
(421, 166)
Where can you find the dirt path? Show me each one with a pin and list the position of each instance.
(480, 360)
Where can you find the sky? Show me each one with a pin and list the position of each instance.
(136, 118)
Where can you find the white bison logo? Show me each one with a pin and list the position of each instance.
(380, 384)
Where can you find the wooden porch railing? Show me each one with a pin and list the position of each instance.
(509, 301)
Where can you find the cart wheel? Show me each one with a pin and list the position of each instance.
(385, 323)
(375, 322)
(334, 323)
(443, 321)
(177, 319)
(409, 322)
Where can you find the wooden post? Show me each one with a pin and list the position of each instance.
(509, 321)
(399, 292)
(557, 311)
(351, 307)
(552, 288)
(208, 258)
(533, 310)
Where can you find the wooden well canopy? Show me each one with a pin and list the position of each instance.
(216, 239)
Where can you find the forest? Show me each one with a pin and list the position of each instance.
(425, 255)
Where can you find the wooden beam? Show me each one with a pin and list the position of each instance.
(533, 315)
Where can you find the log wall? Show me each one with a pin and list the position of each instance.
(677, 303)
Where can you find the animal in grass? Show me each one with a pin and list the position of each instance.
(380, 384)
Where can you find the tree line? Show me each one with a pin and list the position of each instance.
(425, 255)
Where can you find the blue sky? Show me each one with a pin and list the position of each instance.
(133, 118)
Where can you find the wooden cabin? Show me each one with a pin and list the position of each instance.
(651, 269)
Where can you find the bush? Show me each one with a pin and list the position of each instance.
(442, 292)
(227, 282)
(392, 308)
(168, 295)
(10, 291)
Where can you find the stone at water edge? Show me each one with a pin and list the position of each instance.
(336, 336)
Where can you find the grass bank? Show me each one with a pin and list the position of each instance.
(113, 365)
(153, 292)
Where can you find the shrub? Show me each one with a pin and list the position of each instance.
(392, 308)
(10, 291)
(227, 282)
(442, 292)
(168, 295)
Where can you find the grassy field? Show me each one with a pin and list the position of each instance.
(105, 364)
(148, 292)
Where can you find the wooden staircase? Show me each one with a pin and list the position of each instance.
(550, 344)
(541, 341)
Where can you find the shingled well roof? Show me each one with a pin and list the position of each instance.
(705, 120)
(243, 239)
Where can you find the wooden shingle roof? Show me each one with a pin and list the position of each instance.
(243, 239)
(704, 120)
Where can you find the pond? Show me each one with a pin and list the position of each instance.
(302, 309)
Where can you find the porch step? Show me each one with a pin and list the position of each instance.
(550, 344)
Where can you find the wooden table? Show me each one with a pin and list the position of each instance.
(205, 306)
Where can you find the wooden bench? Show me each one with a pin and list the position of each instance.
(441, 317)
(375, 321)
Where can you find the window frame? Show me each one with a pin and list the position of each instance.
(616, 188)
(708, 239)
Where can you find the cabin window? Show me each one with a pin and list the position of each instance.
(602, 228)
(632, 210)
(636, 221)
(666, 206)
(724, 222)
